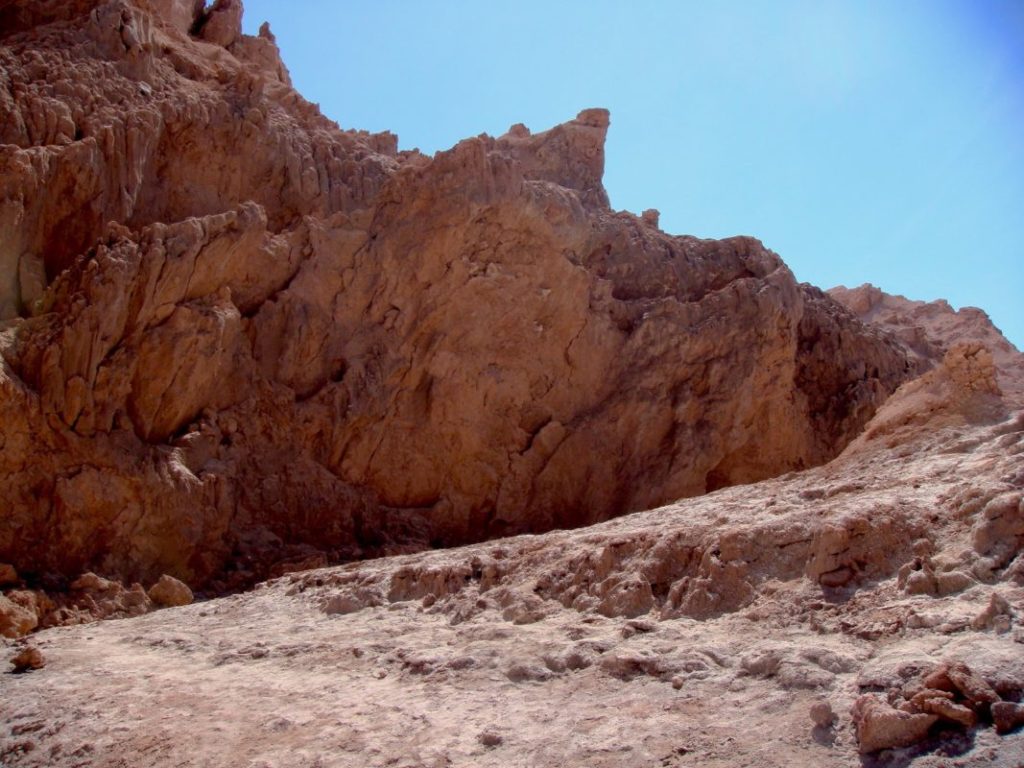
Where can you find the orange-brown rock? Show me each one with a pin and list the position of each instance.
(170, 592)
(940, 703)
(239, 337)
(880, 726)
(28, 660)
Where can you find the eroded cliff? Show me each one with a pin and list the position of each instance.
(238, 337)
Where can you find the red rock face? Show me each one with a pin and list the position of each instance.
(237, 336)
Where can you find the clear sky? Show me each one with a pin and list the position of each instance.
(864, 141)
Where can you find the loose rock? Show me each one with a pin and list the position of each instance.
(170, 592)
(822, 714)
(1007, 715)
(28, 659)
(880, 726)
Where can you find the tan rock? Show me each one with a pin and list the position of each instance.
(651, 217)
(879, 726)
(822, 714)
(222, 24)
(997, 607)
(15, 620)
(179, 14)
(90, 582)
(169, 592)
(929, 329)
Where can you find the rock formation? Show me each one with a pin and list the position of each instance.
(928, 329)
(700, 633)
(237, 342)
(238, 338)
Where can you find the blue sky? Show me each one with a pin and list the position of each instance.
(864, 141)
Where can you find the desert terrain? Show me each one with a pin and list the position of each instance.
(315, 452)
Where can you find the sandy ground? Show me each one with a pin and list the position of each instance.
(351, 667)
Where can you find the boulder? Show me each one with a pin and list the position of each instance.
(880, 726)
(169, 592)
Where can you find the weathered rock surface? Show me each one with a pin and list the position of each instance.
(928, 329)
(239, 338)
(529, 650)
(239, 342)
(16, 619)
(880, 726)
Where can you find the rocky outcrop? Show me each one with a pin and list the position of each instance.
(239, 338)
(927, 330)
(950, 693)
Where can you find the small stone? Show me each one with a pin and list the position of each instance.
(170, 592)
(28, 659)
(998, 608)
(822, 714)
(1002, 624)
(527, 672)
(490, 738)
(1007, 715)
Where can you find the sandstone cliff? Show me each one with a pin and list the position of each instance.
(238, 337)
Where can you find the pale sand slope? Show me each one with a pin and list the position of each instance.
(695, 634)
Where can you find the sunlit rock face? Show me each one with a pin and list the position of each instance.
(237, 337)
